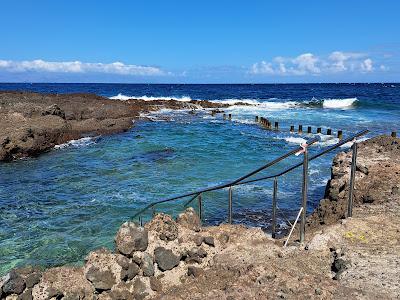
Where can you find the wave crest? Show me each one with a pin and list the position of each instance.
(149, 98)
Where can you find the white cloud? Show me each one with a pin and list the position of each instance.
(78, 67)
(367, 66)
(309, 64)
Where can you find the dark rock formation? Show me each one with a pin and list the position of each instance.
(165, 259)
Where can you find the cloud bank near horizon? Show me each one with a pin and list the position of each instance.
(310, 64)
(337, 65)
(40, 65)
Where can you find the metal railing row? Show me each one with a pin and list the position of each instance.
(302, 149)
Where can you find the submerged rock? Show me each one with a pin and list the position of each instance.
(131, 238)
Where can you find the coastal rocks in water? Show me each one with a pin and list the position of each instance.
(164, 226)
(189, 219)
(131, 238)
(165, 258)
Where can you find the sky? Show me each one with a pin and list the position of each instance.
(200, 41)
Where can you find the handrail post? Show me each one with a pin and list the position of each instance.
(200, 207)
(304, 193)
(230, 206)
(274, 207)
(352, 179)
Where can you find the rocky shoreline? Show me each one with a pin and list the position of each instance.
(33, 123)
(353, 258)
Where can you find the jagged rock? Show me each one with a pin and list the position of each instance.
(165, 259)
(195, 255)
(130, 272)
(131, 238)
(139, 289)
(189, 219)
(164, 226)
(209, 240)
(101, 280)
(32, 279)
(123, 261)
(198, 240)
(14, 285)
(26, 295)
(155, 284)
(54, 110)
(194, 271)
(147, 265)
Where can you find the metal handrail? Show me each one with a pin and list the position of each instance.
(239, 181)
(329, 149)
(232, 183)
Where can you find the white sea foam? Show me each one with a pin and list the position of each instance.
(295, 140)
(150, 98)
(86, 141)
(243, 103)
(339, 103)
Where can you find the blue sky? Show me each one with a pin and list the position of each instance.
(200, 41)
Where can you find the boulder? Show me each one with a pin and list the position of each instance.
(189, 219)
(32, 279)
(26, 295)
(101, 280)
(165, 259)
(164, 226)
(130, 273)
(209, 240)
(14, 285)
(147, 265)
(195, 255)
(131, 238)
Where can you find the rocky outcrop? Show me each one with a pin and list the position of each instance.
(32, 123)
(377, 179)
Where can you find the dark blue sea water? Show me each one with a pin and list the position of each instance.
(58, 206)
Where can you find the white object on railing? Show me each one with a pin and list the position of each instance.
(294, 224)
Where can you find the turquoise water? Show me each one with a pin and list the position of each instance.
(58, 206)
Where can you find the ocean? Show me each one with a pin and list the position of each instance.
(57, 207)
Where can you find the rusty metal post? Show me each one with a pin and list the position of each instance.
(230, 116)
(276, 126)
(230, 206)
(199, 201)
(340, 134)
(224, 116)
(256, 119)
(300, 128)
(153, 209)
(309, 130)
(319, 130)
(329, 131)
(394, 134)
(140, 221)
(274, 207)
(304, 198)
(352, 179)
(292, 128)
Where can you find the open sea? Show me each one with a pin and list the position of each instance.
(57, 207)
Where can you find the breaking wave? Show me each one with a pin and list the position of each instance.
(149, 98)
(268, 104)
(86, 141)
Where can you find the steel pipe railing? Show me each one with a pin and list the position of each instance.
(306, 159)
